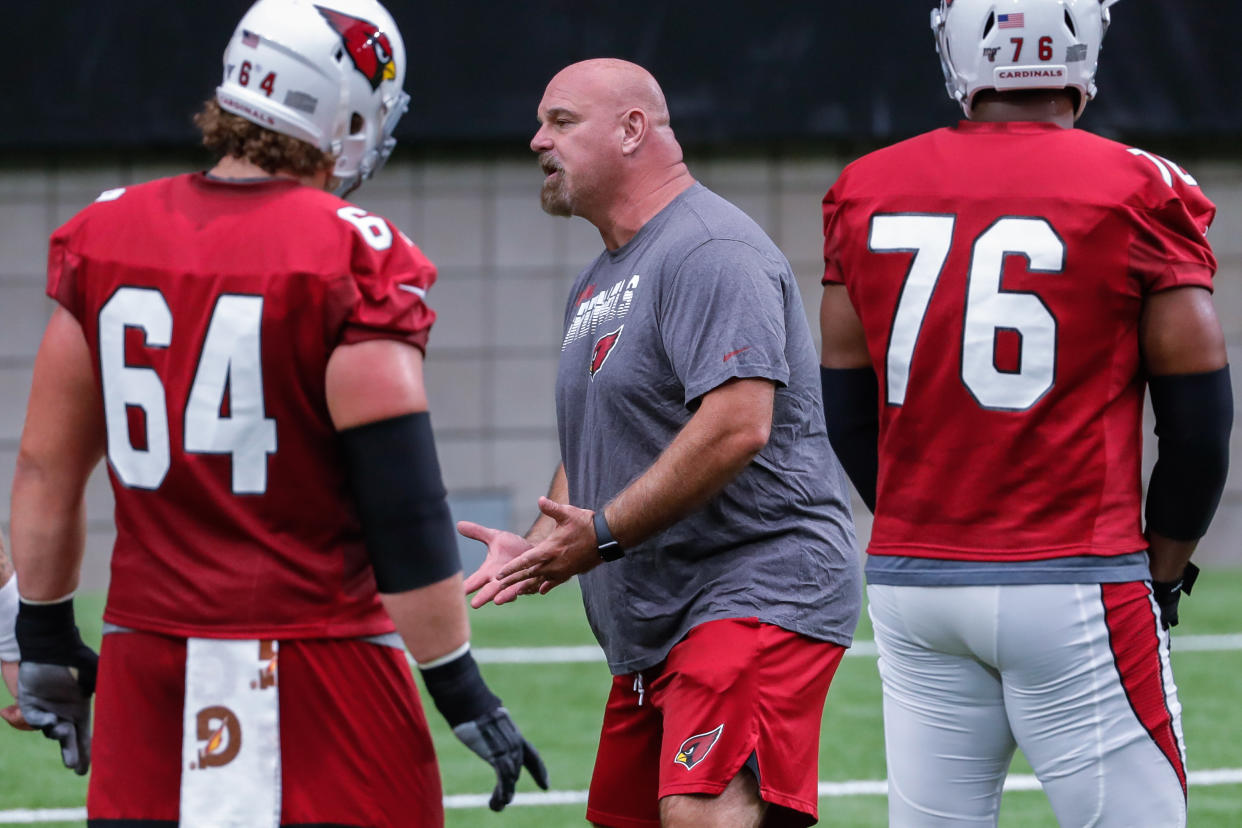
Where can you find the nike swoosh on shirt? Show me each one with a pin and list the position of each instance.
(421, 293)
(732, 354)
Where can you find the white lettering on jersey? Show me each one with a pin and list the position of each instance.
(374, 230)
(1166, 167)
(110, 195)
(596, 309)
(627, 298)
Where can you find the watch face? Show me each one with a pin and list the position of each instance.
(610, 551)
(607, 546)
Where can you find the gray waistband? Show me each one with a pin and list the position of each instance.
(384, 640)
(899, 570)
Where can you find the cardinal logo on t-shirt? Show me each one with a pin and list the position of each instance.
(696, 748)
(603, 347)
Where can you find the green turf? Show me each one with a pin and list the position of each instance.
(559, 708)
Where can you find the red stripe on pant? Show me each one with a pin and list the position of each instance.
(1132, 634)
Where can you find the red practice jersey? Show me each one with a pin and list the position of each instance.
(999, 270)
(211, 309)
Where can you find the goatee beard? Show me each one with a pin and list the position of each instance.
(553, 198)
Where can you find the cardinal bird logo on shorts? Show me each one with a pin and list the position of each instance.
(696, 748)
(603, 347)
(368, 47)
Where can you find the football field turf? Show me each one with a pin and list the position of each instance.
(558, 706)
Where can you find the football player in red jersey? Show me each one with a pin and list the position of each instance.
(245, 348)
(997, 296)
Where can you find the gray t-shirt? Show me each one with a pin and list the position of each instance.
(699, 296)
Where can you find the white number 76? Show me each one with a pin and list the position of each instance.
(989, 307)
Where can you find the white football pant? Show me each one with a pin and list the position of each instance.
(1077, 675)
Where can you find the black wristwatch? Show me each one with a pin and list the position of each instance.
(605, 543)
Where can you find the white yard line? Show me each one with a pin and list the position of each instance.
(858, 787)
(591, 653)
(1206, 643)
(538, 655)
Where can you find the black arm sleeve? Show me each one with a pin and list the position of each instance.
(851, 401)
(395, 479)
(1194, 415)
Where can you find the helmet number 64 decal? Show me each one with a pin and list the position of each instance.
(268, 84)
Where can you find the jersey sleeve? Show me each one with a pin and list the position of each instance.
(387, 293)
(722, 317)
(1170, 246)
(833, 272)
(63, 269)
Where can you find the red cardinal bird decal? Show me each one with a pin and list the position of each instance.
(696, 748)
(368, 47)
(603, 347)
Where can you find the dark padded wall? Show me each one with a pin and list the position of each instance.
(129, 73)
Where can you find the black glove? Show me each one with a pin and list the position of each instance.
(1169, 593)
(56, 679)
(495, 738)
(477, 718)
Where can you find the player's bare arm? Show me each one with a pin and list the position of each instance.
(730, 427)
(1187, 365)
(381, 380)
(844, 343)
(378, 404)
(62, 441)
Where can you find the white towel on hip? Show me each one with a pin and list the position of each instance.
(230, 748)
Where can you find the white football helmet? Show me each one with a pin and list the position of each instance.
(1019, 44)
(327, 73)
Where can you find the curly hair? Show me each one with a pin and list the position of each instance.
(227, 134)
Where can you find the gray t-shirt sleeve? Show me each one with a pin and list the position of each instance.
(722, 316)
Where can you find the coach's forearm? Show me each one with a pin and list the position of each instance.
(731, 426)
(558, 490)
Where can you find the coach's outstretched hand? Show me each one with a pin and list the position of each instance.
(502, 547)
(495, 738)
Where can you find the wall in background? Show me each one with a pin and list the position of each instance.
(505, 268)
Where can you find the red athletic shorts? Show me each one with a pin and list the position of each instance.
(355, 749)
(728, 691)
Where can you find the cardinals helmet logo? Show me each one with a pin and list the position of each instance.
(603, 347)
(696, 748)
(368, 47)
